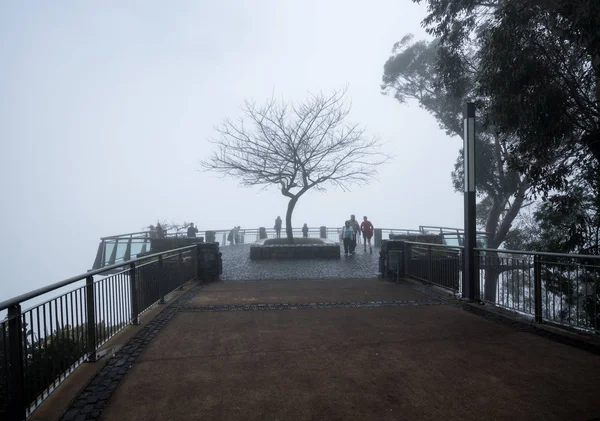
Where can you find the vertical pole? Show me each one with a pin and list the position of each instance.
(181, 271)
(16, 403)
(134, 296)
(405, 258)
(470, 287)
(537, 288)
(402, 262)
(161, 280)
(91, 319)
(429, 264)
(198, 262)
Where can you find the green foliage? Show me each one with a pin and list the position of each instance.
(416, 71)
(538, 69)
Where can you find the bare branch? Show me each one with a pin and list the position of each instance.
(296, 146)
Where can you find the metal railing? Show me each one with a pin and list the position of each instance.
(561, 289)
(438, 264)
(41, 345)
(252, 235)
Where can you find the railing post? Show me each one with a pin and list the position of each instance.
(537, 288)
(429, 263)
(134, 296)
(198, 262)
(91, 319)
(377, 237)
(16, 403)
(181, 271)
(401, 263)
(405, 257)
(161, 280)
(322, 231)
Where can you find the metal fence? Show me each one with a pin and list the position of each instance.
(246, 236)
(41, 345)
(561, 289)
(437, 264)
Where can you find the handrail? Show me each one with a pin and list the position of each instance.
(49, 288)
(123, 235)
(434, 245)
(542, 253)
(448, 228)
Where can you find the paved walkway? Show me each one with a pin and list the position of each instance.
(337, 350)
(237, 266)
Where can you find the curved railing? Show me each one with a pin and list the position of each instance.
(121, 248)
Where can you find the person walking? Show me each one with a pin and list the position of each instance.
(305, 230)
(348, 237)
(278, 226)
(367, 231)
(356, 228)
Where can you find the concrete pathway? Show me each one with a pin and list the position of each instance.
(342, 350)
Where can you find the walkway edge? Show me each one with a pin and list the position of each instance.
(556, 334)
(88, 405)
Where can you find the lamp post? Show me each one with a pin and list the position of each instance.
(470, 285)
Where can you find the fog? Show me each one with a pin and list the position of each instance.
(106, 109)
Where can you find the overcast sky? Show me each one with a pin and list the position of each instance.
(106, 107)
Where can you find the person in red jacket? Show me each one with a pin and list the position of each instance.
(367, 230)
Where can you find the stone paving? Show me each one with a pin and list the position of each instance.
(237, 266)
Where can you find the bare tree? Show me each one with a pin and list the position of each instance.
(297, 147)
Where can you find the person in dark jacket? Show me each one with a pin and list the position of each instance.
(356, 227)
(191, 231)
(278, 226)
(305, 230)
(348, 236)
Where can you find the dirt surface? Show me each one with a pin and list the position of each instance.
(410, 363)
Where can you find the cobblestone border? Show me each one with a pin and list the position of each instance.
(89, 404)
(305, 306)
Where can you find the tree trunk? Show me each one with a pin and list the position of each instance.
(496, 236)
(288, 218)
(491, 266)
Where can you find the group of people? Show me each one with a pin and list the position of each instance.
(277, 228)
(349, 236)
(157, 231)
(351, 231)
(236, 236)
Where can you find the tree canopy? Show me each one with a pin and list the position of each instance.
(297, 147)
(413, 72)
(538, 69)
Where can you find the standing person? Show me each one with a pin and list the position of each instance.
(237, 234)
(348, 237)
(356, 227)
(230, 237)
(278, 226)
(192, 230)
(305, 230)
(367, 230)
(160, 232)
